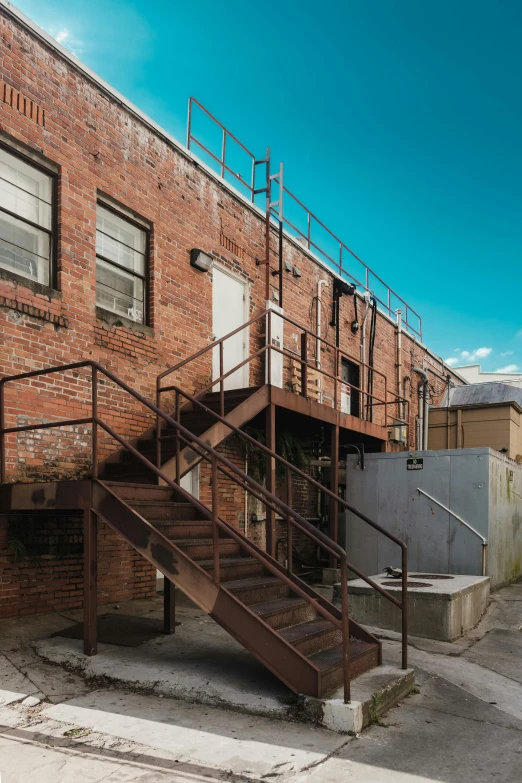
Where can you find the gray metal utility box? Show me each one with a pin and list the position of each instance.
(480, 485)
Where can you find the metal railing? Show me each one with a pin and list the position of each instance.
(219, 464)
(463, 522)
(310, 224)
(291, 469)
(390, 399)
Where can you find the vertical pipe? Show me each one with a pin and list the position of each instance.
(426, 416)
(289, 526)
(94, 407)
(336, 377)
(484, 559)
(269, 348)
(334, 486)
(400, 408)
(459, 428)
(169, 606)
(304, 364)
(345, 630)
(404, 607)
(178, 449)
(221, 382)
(318, 323)
(270, 438)
(3, 471)
(267, 227)
(90, 574)
(215, 517)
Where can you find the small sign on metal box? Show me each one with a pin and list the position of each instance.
(415, 463)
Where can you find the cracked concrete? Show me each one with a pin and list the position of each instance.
(463, 726)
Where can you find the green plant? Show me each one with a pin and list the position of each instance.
(288, 446)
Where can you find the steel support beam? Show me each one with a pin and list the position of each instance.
(270, 436)
(169, 606)
(90, 581)
(334, 486)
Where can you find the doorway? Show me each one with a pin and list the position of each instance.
(351, 373)
(229, 311)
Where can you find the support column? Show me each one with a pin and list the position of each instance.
(270, 436)
(90, 581)
(169, 606)
(334, 486)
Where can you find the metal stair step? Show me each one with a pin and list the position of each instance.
(256, 589)
(167, 510)
(313, 636)
(234, 567)
(283, 612)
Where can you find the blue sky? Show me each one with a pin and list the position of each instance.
(398, 121)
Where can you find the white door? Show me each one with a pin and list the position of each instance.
(190, 482)
(229, 310)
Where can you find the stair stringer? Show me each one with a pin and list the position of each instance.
(216, 434)
(283, 660)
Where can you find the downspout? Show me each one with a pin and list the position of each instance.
(422, 439)
(318, 329)
(399, 364)
(366, 297)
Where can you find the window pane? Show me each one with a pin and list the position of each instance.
(24, 190)
(24, 249)
(119, 292)
(120, 241)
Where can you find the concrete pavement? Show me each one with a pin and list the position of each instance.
(448, 731)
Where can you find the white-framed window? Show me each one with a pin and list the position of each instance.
(27, 194)
(121, 264)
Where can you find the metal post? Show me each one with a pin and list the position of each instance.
(269, 349)
(215, 517)
(484, 558)
(336, 374)
(345, 630)
(267, 226)
(334, 487)
(3, 471)
(270, 437)
(404, 607)
(158, 427)
(221, 382)
(169, 606)
(94, 405)
(90, 574)
(289, 526)
(223, 153)
(280, 253)
(178, 446)
(304, 364)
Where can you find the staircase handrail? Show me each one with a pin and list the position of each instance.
(211, 455)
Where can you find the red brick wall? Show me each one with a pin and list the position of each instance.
(49, 578)
(97, 145)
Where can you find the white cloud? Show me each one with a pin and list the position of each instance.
(508, 368)
(481, 353)
(452, 361)
(67, 39)
(465, 354)
(519, 333)
(507, 353)
(469, 356)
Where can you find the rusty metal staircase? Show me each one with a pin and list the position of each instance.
(305, 640)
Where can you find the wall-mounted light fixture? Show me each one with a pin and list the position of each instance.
(296, 271)
(200, 260)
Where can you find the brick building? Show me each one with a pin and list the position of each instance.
(100, 210)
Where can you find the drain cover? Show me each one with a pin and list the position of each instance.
(397, 583)
(433, 576)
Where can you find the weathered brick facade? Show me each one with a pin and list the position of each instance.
(97, 145)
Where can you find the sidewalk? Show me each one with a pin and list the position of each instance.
(463, 726)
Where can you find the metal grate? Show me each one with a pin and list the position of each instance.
(397, 583)
(432, 576)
